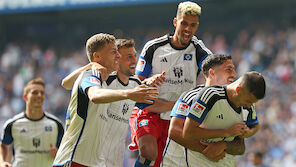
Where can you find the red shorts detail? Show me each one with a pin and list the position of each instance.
(142, 123)
(71, 164)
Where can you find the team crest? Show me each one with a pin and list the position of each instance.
(198, 109)
(187, 57)
(48, 128)
(141, 64)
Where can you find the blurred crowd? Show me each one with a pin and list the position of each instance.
(269, 51)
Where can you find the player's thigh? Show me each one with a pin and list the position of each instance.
(148, 146)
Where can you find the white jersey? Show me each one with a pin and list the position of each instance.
(82, 142)
(31, 139)
(175, 154)
(117, 114)
(105, 126)
(212, 110)
(182, 66)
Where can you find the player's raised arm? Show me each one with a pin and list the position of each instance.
(70, 79)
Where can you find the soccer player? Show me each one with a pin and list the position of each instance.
(179, 56)
(217, 70)
(118, 113)
(34, 135)
(217, 114)
(87, 116)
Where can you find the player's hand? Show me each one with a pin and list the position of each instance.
(103, 70)
(155, 80)
(53, 150)
(214, 151)
(143, 94)
(247, 133)
(236, 129)
(5, 164)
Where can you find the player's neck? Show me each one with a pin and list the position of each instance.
(34, 113)
(231, 95)
(124, 78)
(209, 83)
(175, 42)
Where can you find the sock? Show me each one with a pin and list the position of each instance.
(143, 162)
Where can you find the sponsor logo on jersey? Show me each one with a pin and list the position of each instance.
(187, 57)
(164, 60)
(48, 128)
(143, 123)
(182, 109)
(178, 71)
(103, 117)
(177, 82)
(23, 131)
(198, 109)
(117, 117)
(95, 80)
(125, 108)
(141, 64)
(36, 142)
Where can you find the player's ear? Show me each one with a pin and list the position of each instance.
(95, 56)
(238, 89)
(211, 72)
(175, 22)
(25, 97)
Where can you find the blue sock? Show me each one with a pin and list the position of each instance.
(139, 164)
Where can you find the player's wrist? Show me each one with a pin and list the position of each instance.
(223, 144)
(227, 133)
(126, 94)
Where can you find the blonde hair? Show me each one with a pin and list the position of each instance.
(36, 81)
(97, 42)
(189, 8)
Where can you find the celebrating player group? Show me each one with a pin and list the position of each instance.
(174, 122)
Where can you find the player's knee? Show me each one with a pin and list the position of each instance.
(148, 147)
(148, 152)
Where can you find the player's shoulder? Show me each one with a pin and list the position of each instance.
(196, 41)
(135, 79)
(91, 72)
(212, 92)
(199, 44)
(155, 43)
(14, 119)
(53, 118)
(191, 93)
(112, 77)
